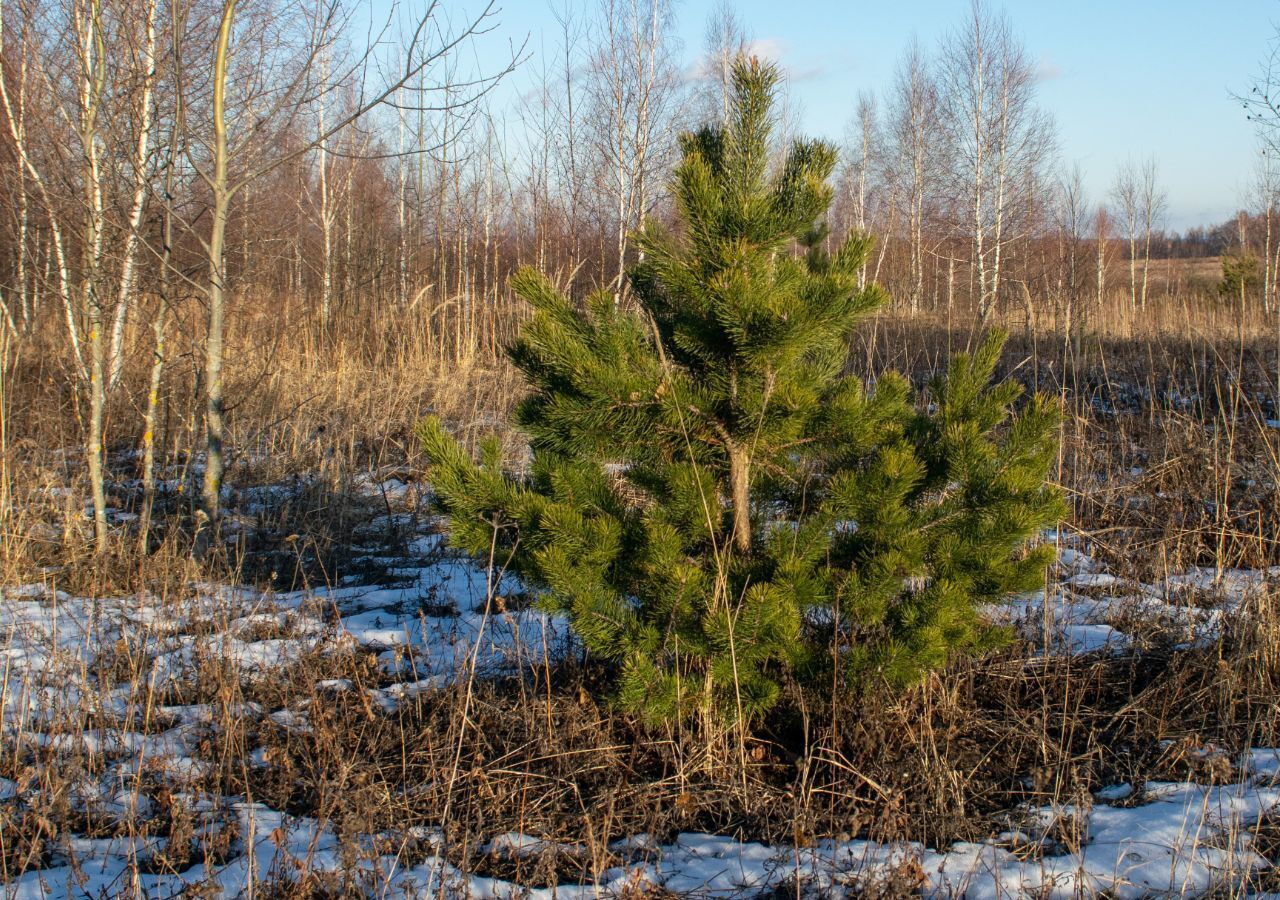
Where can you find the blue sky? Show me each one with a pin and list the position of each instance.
(1126, 78)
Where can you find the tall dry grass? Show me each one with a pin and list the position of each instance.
(1167, 455)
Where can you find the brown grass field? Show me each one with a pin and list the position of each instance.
(1170, 457)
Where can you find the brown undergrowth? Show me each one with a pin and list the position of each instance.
(1168, 455)
(541, 755)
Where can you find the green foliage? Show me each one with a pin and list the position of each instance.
(1240, 272)
(712, 501)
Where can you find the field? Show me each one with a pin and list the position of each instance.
(449, 451)
(336, 704)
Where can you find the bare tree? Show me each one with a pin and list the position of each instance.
(725, 39)
(1139, 205)
(568, 115)
(159, 326)
(1153, 202)
(913, 158)
(551, 151)
(1101, 238)
(15, 111)
(1125, 202)
(631, 89)
(277, 80)
(144, 64)
(999, 136)
(95, 64)
(859, 176)
(1070, 215)
(17, 117)
(90, 57)
(1266, 190)
(1262, 101)
(1262, 106)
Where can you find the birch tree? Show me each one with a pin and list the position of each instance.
(94, 68)
(143, 64)
(1071, 214)
(1139, 206)
(632, 85)
(999, 136)
(264, 79)
(1266, 188)
(1101, 238)
(914, 155)
(16, 112)
(863, 156)
(1152, 204)
(725, 39)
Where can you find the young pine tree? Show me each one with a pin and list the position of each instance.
(712, 502)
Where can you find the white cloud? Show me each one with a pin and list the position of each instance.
(774, 50)
(1047, 70)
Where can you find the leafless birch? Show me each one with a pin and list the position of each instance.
(999, 136)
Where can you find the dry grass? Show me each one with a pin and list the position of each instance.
(1167, 457)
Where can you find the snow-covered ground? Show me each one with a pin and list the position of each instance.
(435, 624)
(1179, 842)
